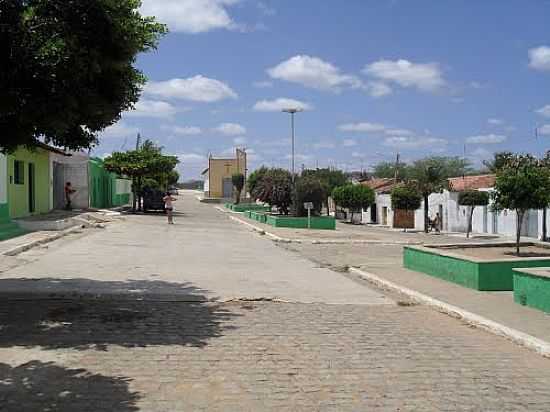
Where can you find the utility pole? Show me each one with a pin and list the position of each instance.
(138, 141)
(396, 175)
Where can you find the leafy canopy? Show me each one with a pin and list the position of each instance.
(353, 197)
(310, 189)
(67, 68)
(275, 188)
(405, 197)
(473, 198)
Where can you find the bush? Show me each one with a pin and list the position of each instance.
(310, 189)
(473, 198)
(255, 177)
(405, 198)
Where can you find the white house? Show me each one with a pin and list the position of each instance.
(455, 217)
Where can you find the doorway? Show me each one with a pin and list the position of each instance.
(32, 197)
(385, 215)
(373, 213)
(227, 188)
(441, 221)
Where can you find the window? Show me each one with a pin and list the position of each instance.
(19, 172)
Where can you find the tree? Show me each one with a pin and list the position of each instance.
(353, 197)
(405, 197)
(329, 179)
(391, 170)
(145, 162)
(310, 189)
(68, 68)
(498, 162)
(254, 178)
(522, 183)
(238, 184)
(430, 176)
(472, 198)
(275, 188)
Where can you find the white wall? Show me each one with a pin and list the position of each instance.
(123, 186)
(3, 179)
(76, 172)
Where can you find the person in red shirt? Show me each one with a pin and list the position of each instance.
(69, 191)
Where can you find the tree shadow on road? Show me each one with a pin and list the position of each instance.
(37, 386)
(86, 314)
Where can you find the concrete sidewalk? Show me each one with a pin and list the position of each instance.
(385, 261)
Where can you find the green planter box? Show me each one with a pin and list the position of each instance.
(532, 288)
(317, 222)
(258, 216)
(243, 207)
(479, 274)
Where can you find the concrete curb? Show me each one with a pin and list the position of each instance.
(50, 238)
(523, 339)
(280, 239)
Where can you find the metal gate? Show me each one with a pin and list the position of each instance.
(58, 185)
(227, 188)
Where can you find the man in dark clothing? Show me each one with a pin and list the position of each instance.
(68, 193)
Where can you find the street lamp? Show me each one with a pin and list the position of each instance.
(292, 112)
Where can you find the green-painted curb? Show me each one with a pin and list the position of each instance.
(532, 290)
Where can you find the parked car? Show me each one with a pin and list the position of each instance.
(173, 191)
(153, 199)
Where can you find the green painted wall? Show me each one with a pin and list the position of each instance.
(103, 187)
(18, 195)
(531, 290)
(4, 213)
(486, 276)
(317, 222)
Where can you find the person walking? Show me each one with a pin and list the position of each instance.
(169, 207)
(69, 191)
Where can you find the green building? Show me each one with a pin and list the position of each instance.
(107, 189)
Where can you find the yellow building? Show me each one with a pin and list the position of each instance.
(217, 178)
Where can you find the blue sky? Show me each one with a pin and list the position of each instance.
(375, 77)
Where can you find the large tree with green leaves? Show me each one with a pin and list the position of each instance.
(274, 187)
(430, 176)
(522, 183)
(147, 162)
(68, 68)
(329, 180)
(353, 197)
(472, 198)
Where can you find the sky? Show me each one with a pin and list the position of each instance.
(374, 78)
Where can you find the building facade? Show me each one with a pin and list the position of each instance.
(218, 176)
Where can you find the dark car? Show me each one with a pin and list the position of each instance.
(153, 200)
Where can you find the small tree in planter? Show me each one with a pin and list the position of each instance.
(310, 189)
(406, 198)
(275, 189)
(472, 198)
(338, 197)
(522, 183)
(354, 198)
(238, 184)
(254, 179)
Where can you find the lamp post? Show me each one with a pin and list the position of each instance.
(292, 112)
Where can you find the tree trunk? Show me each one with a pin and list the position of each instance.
(519, 217)
(237, 196)
(470, 221)
(134, 193)
(140, 203)
(426, 214)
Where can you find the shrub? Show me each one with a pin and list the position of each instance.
(405, 198)
(353, 197)
(255, 177)
(275, 188)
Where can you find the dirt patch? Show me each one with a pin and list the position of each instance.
(495, 252)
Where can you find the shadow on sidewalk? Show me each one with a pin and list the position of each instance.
(37, 386)
(86, 314)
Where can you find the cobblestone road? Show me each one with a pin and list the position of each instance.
(108, 356)
(177, 350)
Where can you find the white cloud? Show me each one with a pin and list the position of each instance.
(362, 127)
(377, 89)
(183, 130)
(486, 139)
(230, 129)
(239, 140)
(480, 154)
(495, 122)
(279, 104)
(299, 157)
(313, 72)
(544, 130)
(424, 76)
(398, 132)
(197, 88)
(544, 111)
(413, 142)
(152, 108)
(265, 84)
(349, 143)
(119, 130)
(539, 58)
(357, 154)
(191, 16)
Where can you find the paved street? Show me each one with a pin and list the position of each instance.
(205, 315)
